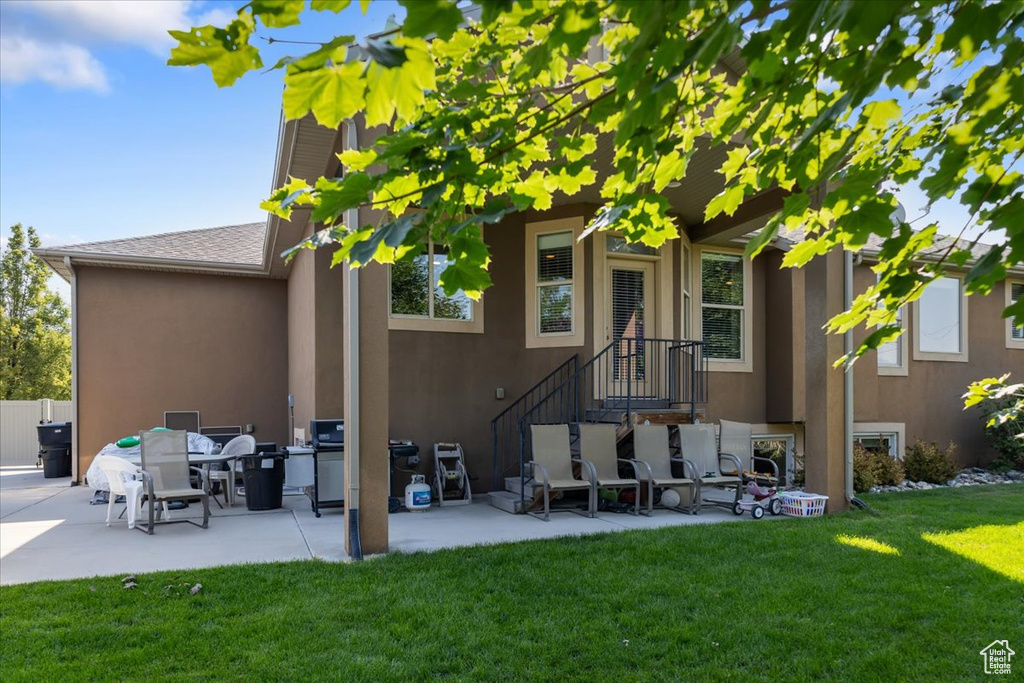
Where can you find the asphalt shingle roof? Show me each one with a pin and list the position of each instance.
(874, 244)
(241, 244)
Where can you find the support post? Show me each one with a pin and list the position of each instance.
(825, 445)
(366, 410)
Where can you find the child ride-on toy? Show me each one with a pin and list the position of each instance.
(757, 500)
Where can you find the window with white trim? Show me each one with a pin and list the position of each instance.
(723, 303)
(881, 437)
(883, 442)
(1014, 326)
(940, 325)
(418, 302)
(892, 355)
(554, 283)
(687, 289)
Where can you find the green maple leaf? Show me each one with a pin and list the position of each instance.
(225, 50)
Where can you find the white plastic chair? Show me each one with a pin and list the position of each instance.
(123, 480)
(240, 445)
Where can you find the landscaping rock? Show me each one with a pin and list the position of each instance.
(971, 476)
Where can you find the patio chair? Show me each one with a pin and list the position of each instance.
(697, 443)
(736, 439)
(552, 461)
(240, 445)
(654, 459)
(122, 480)
(165, 475)
(598, 445)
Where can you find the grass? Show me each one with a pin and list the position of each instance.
(910, 590)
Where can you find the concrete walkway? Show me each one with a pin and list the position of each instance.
(49, 531)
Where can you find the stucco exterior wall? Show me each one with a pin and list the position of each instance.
(740, 396)
(154, 341)
(928, 399)
(443, 384)
(302, 359)
(315, 341)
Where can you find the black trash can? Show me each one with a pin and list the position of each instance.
(55, 449)
(263, 476)
(56, 462)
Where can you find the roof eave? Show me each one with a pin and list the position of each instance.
(54, 257)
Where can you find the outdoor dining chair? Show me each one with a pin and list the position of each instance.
(552, 467)
(122, 480)
(736, 438)
(165, 475)
(240, 445)
(598, 446)
(654, 459)
(698, 444)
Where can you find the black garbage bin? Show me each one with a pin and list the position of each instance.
(55, 449)
(56, 462)
(263, 476)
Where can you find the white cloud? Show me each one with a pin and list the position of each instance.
(51, 41)
(139, 24)
(218, 16)
(59, 64)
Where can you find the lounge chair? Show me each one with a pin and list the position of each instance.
(165, 475)
(240, 445)
(736, 439)
(654, 459)
(552, 467)
(122, 480)
(598, 446)
(698, 444)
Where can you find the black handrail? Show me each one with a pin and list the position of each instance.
(504, 424)
(628, 373)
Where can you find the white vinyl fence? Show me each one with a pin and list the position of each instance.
(19, 442)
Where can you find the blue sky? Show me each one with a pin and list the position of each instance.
(99, 139)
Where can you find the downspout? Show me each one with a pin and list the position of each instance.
(75, 424)
(352, 390)
(848, 380)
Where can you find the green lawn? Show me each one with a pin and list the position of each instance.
(911, 590)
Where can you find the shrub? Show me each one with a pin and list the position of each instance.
(799, 475)
(863, 471)
(874, 468)
(925, 462)
(1003, 425)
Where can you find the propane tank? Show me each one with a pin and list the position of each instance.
(417, 494)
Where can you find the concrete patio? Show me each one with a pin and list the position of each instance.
(49, 531)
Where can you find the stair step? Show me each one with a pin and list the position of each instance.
(507, 501)
(513, 485)
(635, 403)
(609, 416)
